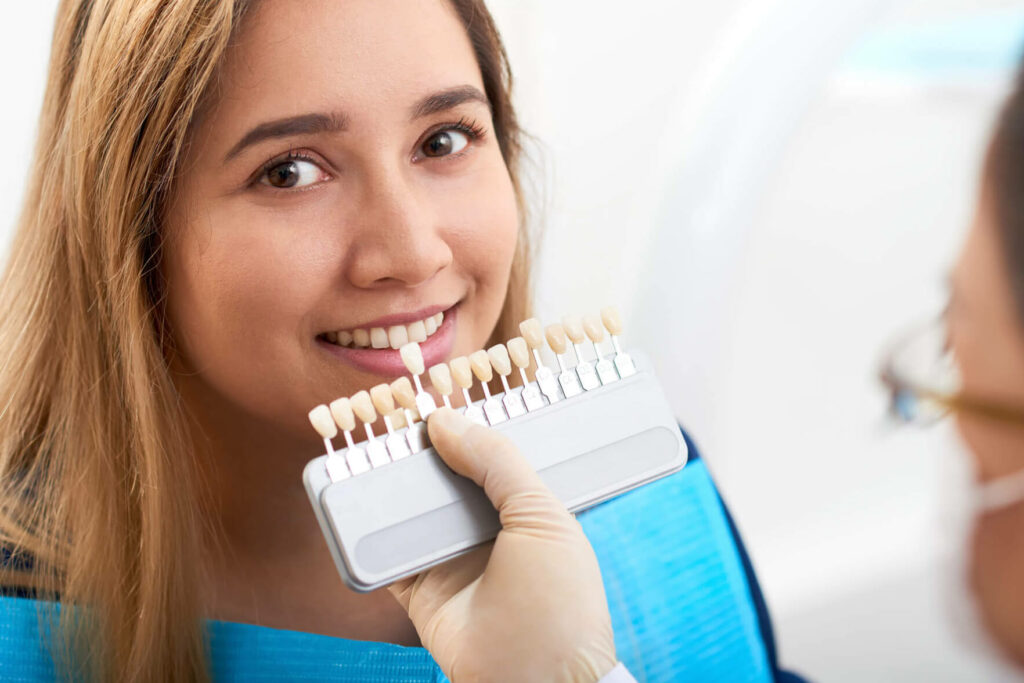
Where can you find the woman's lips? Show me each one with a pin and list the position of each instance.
(388, 362)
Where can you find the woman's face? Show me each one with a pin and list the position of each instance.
(988, 340)
(343, 184)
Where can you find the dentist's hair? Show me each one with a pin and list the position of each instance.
(100, 505)
(1004, 186)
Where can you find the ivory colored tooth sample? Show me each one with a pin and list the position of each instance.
(462, 372)
(594, 329)
(403, 392)
(573, 326)
(379, 338)
(412, 356)
(441, 378)
(397, 418)
(498, 355)
(532, 332)
(555, 335)
(382, 398)
(361, 338)
(481, 364)
(611, 319)
(341, 411)
(398, 336)
(362, 406)
(418, 331)
(323, 423)
(518, 352)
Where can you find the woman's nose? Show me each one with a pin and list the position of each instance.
(397, 240)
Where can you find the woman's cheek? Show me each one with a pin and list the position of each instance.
(491, 220)
(247, 289)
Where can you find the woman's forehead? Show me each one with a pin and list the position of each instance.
(360, 57)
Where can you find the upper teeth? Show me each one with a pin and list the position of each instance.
(393, 337)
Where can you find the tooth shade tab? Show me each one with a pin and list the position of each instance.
(573, 326)
(397, 418)
(412, 356)
(556, 338)
(441, 378)
(361, 338)
(462, 373)
(323, 423)
(518, 352)
(362, 406)
(398, 336)
(594, 329)
(418, 332)
(611, 319)
(382, 398)
(499, 358)
(532, 332)
(481, 364)
(341, 411)
(402, 390)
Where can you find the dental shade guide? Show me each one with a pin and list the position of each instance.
(345, 418)
(613, 322)
(482, 370)
(533, 333)
(416, 432)
(519, 353)
(573, 326)
(384, 402)
(324, 425)
(605, 369)
(462, 373)
(502, 364)
(362, 406)
(568, 380)
(441, 378)
(386, 516)
(412, 356)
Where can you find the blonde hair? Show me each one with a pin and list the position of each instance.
(99, 500)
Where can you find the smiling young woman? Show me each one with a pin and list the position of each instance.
(230, 203)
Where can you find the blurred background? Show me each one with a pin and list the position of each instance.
(768, 189)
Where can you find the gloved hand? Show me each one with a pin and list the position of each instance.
(528, 607)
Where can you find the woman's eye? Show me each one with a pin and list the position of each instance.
(444, 143)
(291, 174)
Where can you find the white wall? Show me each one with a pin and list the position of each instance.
(25, 33)
(765, 212)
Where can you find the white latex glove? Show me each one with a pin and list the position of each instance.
(528, 607)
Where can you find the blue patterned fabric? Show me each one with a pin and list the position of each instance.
(680, 604)
(680, 601)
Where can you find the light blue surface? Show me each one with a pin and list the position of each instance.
(973, 44)
(678, 596)
(680, 607)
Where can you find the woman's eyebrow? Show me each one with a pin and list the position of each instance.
(448, 99)
(304, 124)
(309, 124)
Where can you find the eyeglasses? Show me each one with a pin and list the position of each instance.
(921, 374)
